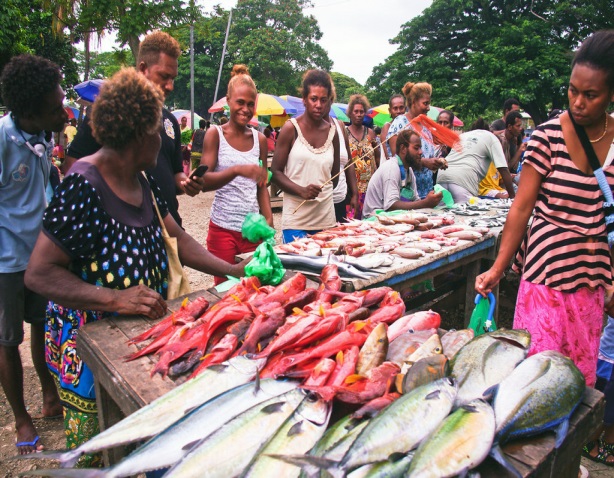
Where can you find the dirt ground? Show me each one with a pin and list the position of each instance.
(195, 213)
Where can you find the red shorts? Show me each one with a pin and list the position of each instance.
(226, 244)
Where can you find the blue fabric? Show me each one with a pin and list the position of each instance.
(605, 370)
(290, 234)
(424, 177)
(22, 195)
(606, 345)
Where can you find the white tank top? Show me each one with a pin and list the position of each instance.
(308, 165)
(341, 191)
(239, 197)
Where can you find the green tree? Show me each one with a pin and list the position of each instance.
(272, 37)
(277, 41)
(106, 64)
(476, 54)
(346, 87)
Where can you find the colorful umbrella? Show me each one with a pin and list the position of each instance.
(88, 90)
(336, 111)
(434, 113)
(265, 105)
(73, 113)
(181, 113)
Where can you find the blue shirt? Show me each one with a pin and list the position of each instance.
(23, 177)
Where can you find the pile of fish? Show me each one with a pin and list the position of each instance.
(221, 425)
(335, 343)
(411, 236)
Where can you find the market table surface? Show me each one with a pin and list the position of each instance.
(124, 387)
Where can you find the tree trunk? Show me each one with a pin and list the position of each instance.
(134, 43)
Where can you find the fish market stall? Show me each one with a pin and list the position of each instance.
(126, 387)
(400, 250)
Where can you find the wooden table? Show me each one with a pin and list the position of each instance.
(124, 387)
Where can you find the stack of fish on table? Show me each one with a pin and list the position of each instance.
(367, 245)
(428, 403)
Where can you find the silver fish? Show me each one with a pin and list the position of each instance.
(227, 451)
(540, 394)
(167, 409)
(316, 264)
(397, 429)
(298, 435)
(486, 360)
(171, 445)
(459, 443)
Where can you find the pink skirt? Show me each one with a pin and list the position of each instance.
(568, 322)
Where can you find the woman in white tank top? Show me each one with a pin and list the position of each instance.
(233, 153)
(306, 157)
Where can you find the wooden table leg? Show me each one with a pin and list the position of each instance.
(108, 415)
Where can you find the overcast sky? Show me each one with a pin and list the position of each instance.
(355, 33)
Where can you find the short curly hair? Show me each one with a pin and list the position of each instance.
(25, 80)
(358, 99)
(128, 107)
(155, 43)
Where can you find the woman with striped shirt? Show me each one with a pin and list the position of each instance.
(564, 259)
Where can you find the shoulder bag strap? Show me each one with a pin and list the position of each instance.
(608, 202)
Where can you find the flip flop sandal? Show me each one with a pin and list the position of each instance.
(32, 443)
(586, 449)
(605, 450)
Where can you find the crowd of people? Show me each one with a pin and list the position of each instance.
(95, 246)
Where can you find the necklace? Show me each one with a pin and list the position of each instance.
(605, 130)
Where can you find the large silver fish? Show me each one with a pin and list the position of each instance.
(166, 410)
(317, 263)
(486, 360)
(171, 445)
(540, 394)
(459, 443)
(227, 451)
(297, 436)
(397, 429)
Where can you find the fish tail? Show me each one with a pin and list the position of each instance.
(67, 458)
(497, 454)
(313, 465)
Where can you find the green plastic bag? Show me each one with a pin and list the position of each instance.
(447, 197)
(482, 319)
(265, 264)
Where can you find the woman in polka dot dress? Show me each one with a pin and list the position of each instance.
(101, 251)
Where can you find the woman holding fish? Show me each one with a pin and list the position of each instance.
(232, 153)
(564, 259)
(101, 251)
(306, 158)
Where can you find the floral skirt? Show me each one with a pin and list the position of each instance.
(79, 428)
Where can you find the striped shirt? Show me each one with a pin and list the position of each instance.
(566, 247)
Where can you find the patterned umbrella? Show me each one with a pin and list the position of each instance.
(266, 105)
(336, 111)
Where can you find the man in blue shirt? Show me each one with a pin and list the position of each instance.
(32, 93)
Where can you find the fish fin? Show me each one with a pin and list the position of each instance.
(353, 378)
(469, 408)
(257, 383)
(497, 454)
(394, 457)
(296, 429)
(187, 411)
(561, 433)
(312, 465)
(218, 367)
(188, 446)
(69, 472)
(273, 407)
(184, 302)
(433, 395)
(490, 392)
(339, 357)
(67, 458)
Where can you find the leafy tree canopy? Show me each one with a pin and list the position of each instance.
(476, 54)
(346, 87)
(274, 38)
